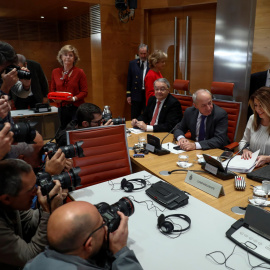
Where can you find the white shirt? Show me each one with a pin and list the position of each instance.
(267, 83)
(144, 71)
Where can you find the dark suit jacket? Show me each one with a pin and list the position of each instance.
(134, 80)
(216, 127)
(39, 83)
(169, 116)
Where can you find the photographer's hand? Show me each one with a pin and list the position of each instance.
(26, 83)
(56, 164)
(118, 238)
(69, 164)
(6, 139)
(55, 196)
(9, 80)
(4, 106)
(109, 122)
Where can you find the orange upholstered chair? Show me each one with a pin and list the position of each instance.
(232, 107)
(181, 85)
(106, 153)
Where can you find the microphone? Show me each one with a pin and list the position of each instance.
(169, 133)
(244, 147)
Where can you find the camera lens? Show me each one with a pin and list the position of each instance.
(71, 151)
(69, 179)
(23, 132)
(124, 205)
(119, 121)
(24, 75)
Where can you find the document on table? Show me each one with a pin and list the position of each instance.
(136, 130)
(242, 165)
(169, 146)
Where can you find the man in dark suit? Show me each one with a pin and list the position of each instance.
(135, 82)
(207, 123)
(258, 80)
(39, 85)
(162, 112)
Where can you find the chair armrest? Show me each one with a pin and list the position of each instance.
(231, 146)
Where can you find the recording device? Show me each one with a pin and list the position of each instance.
(22, 74)
(127, 185)
(42, 107)
(70, 151)
(68, 180)
(109, 212)
(167, 227)
(23, 132)
(226, 154)
(154, 146)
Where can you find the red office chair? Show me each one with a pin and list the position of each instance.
(222, 88)
(106, 153)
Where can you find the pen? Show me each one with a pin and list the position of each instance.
(168, 146)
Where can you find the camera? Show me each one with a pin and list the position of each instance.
(22, 74)
(116, 121)
(68, 180)
(23, 132)
(70, 151)
(109, 212)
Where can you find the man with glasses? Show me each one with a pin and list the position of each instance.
(163, 111)
(23, 231)
(87, 115)
(207, 123)
(76, 234)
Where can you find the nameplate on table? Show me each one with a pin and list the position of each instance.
(204, 184)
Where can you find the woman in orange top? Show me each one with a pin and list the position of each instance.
(69, 78)
(156, 63)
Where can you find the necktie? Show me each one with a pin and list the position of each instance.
(202, 129)
(142, 69)
(153, 121)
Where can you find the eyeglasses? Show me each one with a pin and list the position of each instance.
(97, 122)
(104, 224)
(162, 89)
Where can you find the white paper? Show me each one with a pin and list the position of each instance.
(136, 130)
(237, 164)
(169, 146)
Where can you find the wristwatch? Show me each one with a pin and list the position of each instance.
(73, 99)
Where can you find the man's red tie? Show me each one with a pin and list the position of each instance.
(153, 121)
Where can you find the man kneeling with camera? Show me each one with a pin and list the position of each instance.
(23, 231)
(76, 235)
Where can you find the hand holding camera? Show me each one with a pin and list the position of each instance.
(4, 106)
(55, 195)
(6, 139)
(56, 164)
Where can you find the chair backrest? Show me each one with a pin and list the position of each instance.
(233, 110)
(185, 101)
(222, 88)
(106, 153)
(181, 85)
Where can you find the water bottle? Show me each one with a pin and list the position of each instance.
(106, 115)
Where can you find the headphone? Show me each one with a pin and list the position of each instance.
(127, 186)
(167, 227)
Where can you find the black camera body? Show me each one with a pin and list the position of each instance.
(70, 151)
(23, 132)
(109, 212)
(68, 180)
(22, 74)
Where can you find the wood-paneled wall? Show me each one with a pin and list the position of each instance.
(202, 20)
(261, 44)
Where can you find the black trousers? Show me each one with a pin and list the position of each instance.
(66, 114)
(137, 107)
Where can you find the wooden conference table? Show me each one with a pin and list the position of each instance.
(154, 164)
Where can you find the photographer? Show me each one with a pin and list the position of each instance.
(80, 239)
(23, 231)
(9, 80)
(87, 115)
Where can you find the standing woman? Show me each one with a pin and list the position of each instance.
(156, 63)
(69, 79)
(257, 132)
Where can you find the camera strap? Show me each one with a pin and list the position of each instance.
(49, 201)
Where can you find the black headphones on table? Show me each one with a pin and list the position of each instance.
(127, 186)
(167, 227)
